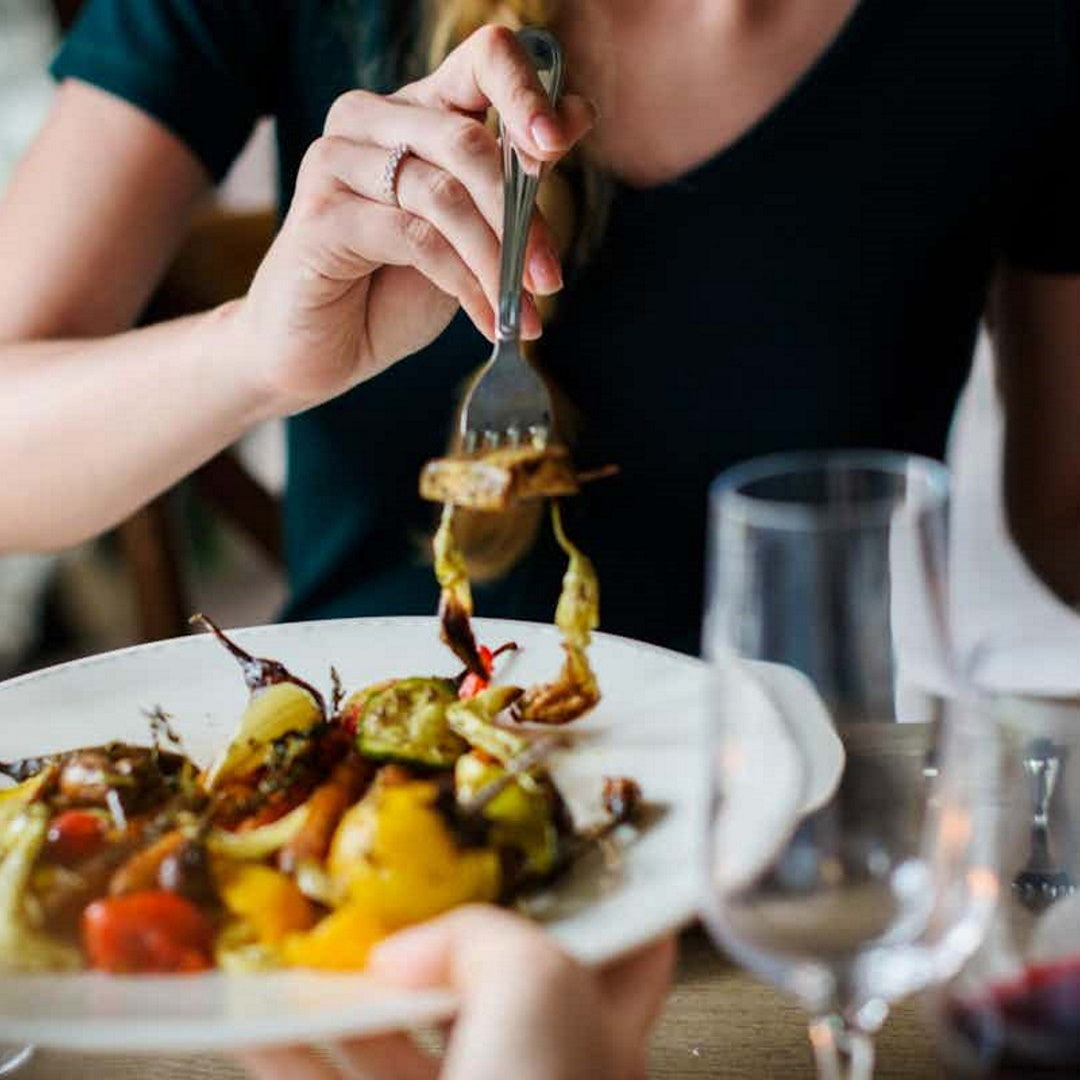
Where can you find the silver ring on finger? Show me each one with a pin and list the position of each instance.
(390, 173)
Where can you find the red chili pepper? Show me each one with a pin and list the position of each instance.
(472, 684)
(75, 835)
(147, 932)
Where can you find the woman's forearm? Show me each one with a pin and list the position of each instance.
(91, 430)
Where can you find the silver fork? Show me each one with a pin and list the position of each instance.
(1042, 881)
(509, 403)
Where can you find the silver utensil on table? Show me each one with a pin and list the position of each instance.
(509, 403)
(1042, 881)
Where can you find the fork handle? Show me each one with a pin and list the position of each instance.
(520, 186)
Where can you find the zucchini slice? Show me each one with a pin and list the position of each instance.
(406, 722)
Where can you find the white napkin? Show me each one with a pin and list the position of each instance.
(1010, 633)
(781, 760)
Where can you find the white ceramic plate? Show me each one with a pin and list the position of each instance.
(650, 725)
(778, 731)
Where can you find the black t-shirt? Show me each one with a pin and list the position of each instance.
(817, 284)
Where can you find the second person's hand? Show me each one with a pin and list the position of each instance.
(527, 1010)
(360, 276)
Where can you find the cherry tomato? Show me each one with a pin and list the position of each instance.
(472, 684)
(147, 932)
(75, 835)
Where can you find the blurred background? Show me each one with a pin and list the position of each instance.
(211, 544)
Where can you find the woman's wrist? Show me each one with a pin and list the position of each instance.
(234, 347)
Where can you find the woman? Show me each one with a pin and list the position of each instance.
(779, 234)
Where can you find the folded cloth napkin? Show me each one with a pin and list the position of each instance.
(780, 760)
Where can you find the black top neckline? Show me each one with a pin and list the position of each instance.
(837, 47)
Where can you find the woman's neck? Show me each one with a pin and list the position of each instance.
(676, 81)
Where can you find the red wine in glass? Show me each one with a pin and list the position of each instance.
(1027, 1026)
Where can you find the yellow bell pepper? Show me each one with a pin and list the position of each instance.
(267, 900)
(394, 855)
(340, 942)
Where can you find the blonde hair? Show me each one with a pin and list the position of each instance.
(493, 543)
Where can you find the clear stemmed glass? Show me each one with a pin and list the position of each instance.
(847, 859)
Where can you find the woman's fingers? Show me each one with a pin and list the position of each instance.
(363, 230)
(491, 68)
(356, 231)
(460, 146)
(424, 191)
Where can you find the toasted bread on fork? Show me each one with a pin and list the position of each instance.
(495, 479)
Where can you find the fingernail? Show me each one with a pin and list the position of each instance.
(546, 273)
(546, 133)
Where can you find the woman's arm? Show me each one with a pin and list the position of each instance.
(94, 421)
(357, 278)
(1036, 328)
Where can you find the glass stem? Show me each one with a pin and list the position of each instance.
(843, 1051)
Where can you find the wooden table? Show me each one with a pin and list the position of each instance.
(719, 1023)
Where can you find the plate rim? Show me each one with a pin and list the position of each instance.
(311, 625)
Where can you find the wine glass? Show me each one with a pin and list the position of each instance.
(1014, 1008)
(847, 846)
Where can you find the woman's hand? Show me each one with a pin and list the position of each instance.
(526, 1009)
(353, 281)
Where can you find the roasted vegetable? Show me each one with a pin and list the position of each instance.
(472, 720)
(471, 683)
(395, 855)
(75, 835)
(140, 872)
(407, 722)
(255, 844)
(521, 817)
(455, 599)
(13, 801)
(138, 775)
(187, 872)
(351, 710)
(495, 479)
(325, 808)
(340, 942)
(22, 947)
(622, 798)
(266, 900)
(272, 713)
(147, 932)
(577, 615)
(236, 949)
(280, 704)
